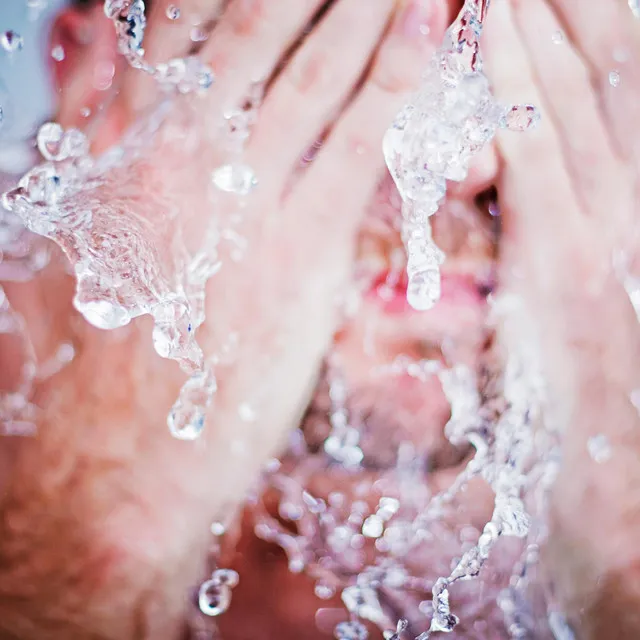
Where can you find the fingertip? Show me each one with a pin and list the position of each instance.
(422, 19)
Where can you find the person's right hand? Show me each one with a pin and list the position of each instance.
(104, 483)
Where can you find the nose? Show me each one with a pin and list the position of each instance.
(483, 173)
(464, 227)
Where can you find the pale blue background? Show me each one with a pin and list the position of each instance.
(26, 92)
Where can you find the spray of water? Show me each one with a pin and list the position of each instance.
(129, 263)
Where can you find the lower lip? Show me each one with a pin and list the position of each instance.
(390, 291)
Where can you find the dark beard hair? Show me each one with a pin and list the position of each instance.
(372, 418)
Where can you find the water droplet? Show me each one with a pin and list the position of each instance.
(173, 12)
(235, 178)
(521, 118)
(559, 626)
(187, 416)
(246, 412)
(443, 620)
(102, 313)
(225, 577)
(620, 55)
(198, 34)
(373, 527)
(400, 628)
(218, 528)
(351, 630)
(213, 598)
(11, 41)
(324, 591)
(557, 37)
(49, 140)
(57, 53)
(599, 448)
(113, 8)
(614, 78)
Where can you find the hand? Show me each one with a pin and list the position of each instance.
(568, 194)
(104, 483)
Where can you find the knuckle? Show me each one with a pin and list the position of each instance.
(308, 72)
(397, 69)
(246, 16)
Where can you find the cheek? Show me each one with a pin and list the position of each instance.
(462, 231)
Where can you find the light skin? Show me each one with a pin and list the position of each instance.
(105, 517)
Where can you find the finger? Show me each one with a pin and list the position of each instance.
(482, 175)
(164, 40)
(348, 168)
(572, 106)
(173, 24)
(534, 190)
(608, 38)
(249, 42)
(316, 83)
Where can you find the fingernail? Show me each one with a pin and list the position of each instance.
(416, 18)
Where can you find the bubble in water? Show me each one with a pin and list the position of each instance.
(173, 12)
(599, 448)
(351, 630)
(557, 37)
(49, 140)
(634, 5)
(521, 118)
(236, 178)
(57, 53)
(614, 78)
(11, 41)
(213, 598)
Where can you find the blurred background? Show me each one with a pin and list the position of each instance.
(27, 97)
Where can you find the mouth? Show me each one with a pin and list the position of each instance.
(389, 290)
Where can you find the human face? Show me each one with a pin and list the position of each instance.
(379, 352)
(394, 399)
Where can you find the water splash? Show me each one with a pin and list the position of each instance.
(185, 75)
(435, 137)
(11, 41)
(214, 596)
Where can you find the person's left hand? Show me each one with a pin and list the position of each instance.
(569, 203)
